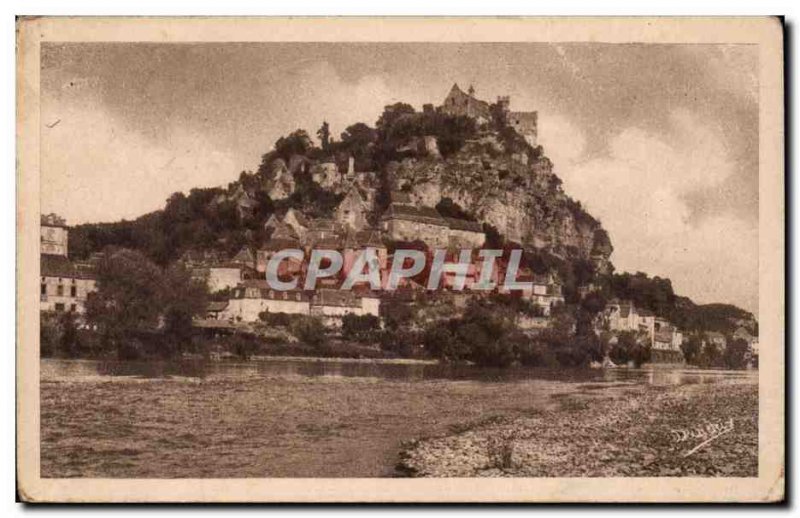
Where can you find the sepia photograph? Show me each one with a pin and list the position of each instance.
(503, 260)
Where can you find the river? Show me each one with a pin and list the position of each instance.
(293, 417)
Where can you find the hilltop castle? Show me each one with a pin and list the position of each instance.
(459, 102)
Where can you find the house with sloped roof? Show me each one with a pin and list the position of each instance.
(353, 209)
(253, 297)
(464, 233)
(406, 222)
(332, 305)
(298, 222)
(64, 285)
(245, 257)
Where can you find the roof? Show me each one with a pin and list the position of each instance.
(298, 216)
(340, 298)
(322, 224)
(421, 214)
(60, 266)
(400, 197)
(370, 237)
(463, 224)
(217, 305)
(266, 292)
(245, 255)
(643, 312)
(276, 244)
(283, 231)
(53, 220)
(212, 324)
(331, 243)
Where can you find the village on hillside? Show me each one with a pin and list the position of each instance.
(242, 302)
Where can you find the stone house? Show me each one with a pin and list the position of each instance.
(54, 235)
(356, 244)
(245, 258)
(255, 296)
(465, 234)
(297, 221)
(65, 286)
(283, 237)
(220, 276)
(545, 291)
(405, 222)
(332, 305)
(666, 343)
(352, 210)
(216, 308)
(322, 230)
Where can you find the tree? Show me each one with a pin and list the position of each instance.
(735, 355)
(392, 113)
(691, 349)
(182, 298)
(296, 143)
(134, 295)
(324, 134)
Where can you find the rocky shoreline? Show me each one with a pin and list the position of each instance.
(629, 431)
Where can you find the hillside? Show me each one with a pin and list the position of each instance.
(478, 169)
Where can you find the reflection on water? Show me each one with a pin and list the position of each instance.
(51, 368)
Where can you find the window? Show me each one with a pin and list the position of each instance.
(73, 291)
(59, 307)
(73, 308)
(60, 291)
(44, 289)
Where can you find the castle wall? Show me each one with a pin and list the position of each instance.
(526, 124)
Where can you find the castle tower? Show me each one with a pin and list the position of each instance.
(54, 235)
(504, 102)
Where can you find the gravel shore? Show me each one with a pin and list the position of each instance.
(642, 431)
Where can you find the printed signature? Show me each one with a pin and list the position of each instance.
(706, 433)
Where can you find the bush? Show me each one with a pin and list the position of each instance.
(309, 330)
(536, 353)
(276, 319)
(403, 343)
(359, 327)
(245, 346)
(629, 348)
(439, 342)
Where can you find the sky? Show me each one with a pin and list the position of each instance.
(660, 142)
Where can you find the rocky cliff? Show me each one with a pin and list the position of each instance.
(516, 193)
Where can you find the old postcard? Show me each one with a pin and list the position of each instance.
(400, 260)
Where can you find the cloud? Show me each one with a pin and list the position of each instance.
(638, 191)
(94, 166)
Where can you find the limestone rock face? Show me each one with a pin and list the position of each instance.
(281, 183)
(326, 175)
(520, 197)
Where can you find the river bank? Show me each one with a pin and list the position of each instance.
(689, 430)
